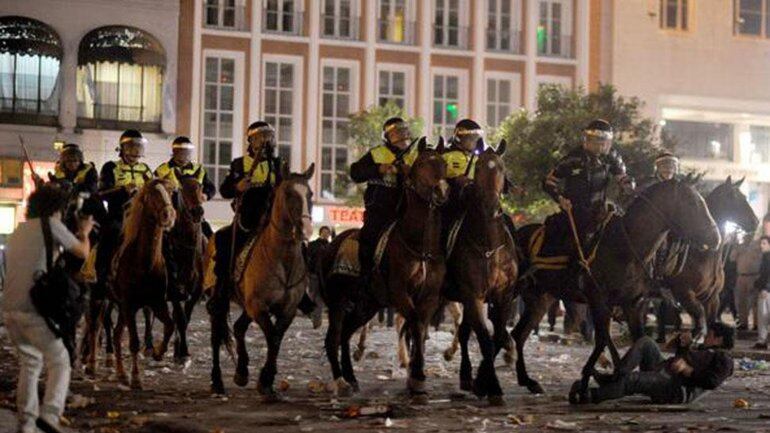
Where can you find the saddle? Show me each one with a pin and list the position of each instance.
(561, 261)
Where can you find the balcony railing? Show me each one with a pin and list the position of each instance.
(396, 31)
(220, 17)
(340, 27)
(558, 46)
(453, 37)
(111, 116)
(504, 41)
(28, 111)
(284, 23)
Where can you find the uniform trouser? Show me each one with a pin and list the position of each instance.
(108, 245)
(375, 222)
(650, 380)
(36, 346)
(763, 315)
(745, 297)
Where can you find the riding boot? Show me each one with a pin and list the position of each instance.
(175, 291)
(206, 229)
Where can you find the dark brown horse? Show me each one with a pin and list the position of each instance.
(139, 276)
(410, 277)
(618, 273)
(699, 283)
(274, 279)
(482, 270)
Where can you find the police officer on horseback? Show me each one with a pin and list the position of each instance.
(181, 164)
(579, 184)
(666, 168)
(72, 170)
(381, 170)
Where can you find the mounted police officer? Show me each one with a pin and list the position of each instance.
(72, 170)
(118, 180)
(381, 169)
(181, 164)
(666, 168)
(579, 184)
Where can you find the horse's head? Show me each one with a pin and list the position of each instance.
(683, 211)
(727, 203)
(489, 176)
(190, 197)
(155, 197)
(294, 202)
(427, 175)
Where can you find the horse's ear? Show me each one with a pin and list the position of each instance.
(479, 146)
(422, 144)
(729, 180)
(440, 146)
(308, 174)
(285, 173)
(500, 151)
(740, 182)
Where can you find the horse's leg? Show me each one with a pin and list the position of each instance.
(133, 343)
(466, 369)
(148, 320)
(457, 315)
(500, 312)
(117, 346)
(181, 353)
(486, 383)
(274, 336)
(93, 323)
(161, 311)
(218, 310)
(361, 346)
(240, 327)
(601, 316)
(403, 349)
(349, 326)
(695, 309)
(109, 359)
(332, 346)
(535, 307)
(416, 381)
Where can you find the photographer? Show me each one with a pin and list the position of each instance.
(34, 341)
(682, 378)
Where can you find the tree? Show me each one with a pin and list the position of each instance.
(366, 132)
(537, 141)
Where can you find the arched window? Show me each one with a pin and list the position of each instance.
(30, 54)
(120, 79)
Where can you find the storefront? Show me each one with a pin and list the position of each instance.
(339, 218)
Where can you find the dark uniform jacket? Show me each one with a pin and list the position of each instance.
(382, 191)
(266, 173)
(168, 171)
(84, 179)
(583, 178)
(117, 174)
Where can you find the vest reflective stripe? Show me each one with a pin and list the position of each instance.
(383, 155)
(126, 174)
(80, 177)
(259, 177)
(457, 164)
(164, 171)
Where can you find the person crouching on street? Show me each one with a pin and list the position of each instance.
(36, 345)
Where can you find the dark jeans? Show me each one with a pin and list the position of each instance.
(651, 380)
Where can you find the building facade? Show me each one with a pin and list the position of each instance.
(306, 65)
(82, 71)
(701, 67)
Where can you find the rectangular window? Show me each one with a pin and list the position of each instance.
(393, 24)
(224, 14)
(391, 88)
(701, 140)
(338, 19)
(446, 103)
(751, 17)
(759, 147)
(336, 106)
(673, 14)
(28, 84)
(502, 26)
(447, 31)
(554, 30)
(499, 100)
(282, 16)
(218, 113)
(278, 103)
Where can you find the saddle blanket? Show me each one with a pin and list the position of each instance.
(347, 263)
(544, 262)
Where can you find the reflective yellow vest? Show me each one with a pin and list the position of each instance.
(165, 171)
(259, 176)
(80, 177)
(457, 163)
(126, 174)
(383, 155)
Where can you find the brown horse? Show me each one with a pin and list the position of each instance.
(274, 279)
(698, 285)
(410, 277)
(139, 275)
(618, 273)
(482, 269)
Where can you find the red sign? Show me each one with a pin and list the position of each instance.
(345, 215)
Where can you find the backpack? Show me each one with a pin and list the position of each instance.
(57, 297)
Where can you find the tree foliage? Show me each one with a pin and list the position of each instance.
(536, 141)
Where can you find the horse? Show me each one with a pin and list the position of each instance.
(188, 244)
(410, 277)
(138, 277)
(698, 285)
(274, 279)
(482, 269)
(617, 275)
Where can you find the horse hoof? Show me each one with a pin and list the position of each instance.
(341, 388)
(182, 360)
(271, 397)
(415, 386)
(109, 361)
(354, 386)
(358, 355)
(479, 390)
(122, 378)
(148, 352)
(241, 379)
(466, 385)
(217, 387)
(535, 388)
(419, 399)
(496, 400)
(449, 355)
(136, 384)
(509, 358)
(91, 369)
